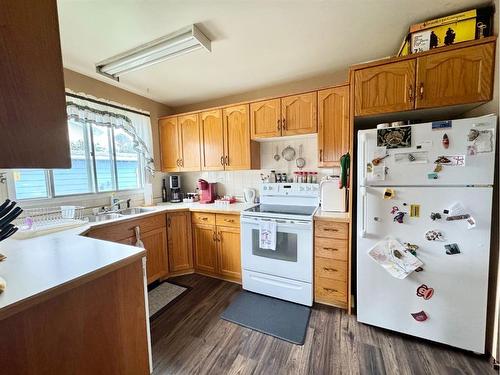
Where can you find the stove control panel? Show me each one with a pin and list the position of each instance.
(289, 189)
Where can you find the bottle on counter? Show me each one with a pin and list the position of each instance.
(164, 197)
(272, 176)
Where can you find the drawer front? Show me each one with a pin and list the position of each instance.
(331, 248)
(330, 269)
(227, 220)
(203, 218)
(331, 229)
(330, 291)
(125, 229)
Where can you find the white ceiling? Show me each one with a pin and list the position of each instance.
(255, 44)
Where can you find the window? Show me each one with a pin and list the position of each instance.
(102, 160)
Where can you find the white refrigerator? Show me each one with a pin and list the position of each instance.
(429, 186)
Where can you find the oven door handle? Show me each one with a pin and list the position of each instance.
(255, 221)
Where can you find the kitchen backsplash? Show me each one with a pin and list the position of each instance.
(233, 182)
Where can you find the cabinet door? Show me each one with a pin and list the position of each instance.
(33, 116)
(180, 255)
(229, 253)
(265, 119)
(189, 130)
(155, 243)
(334, 125)
(205, 248)
(455, 77)
(212, 142)
(299, 114)
(384, 88)
(169, 143)
(237, 143)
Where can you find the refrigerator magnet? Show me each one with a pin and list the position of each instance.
(414, 210)
(452, 249)
(399, 217)
(432, 176)
(389, 193)
(425, 292)
(399, 137)
(420, 316)
(471, 222)
(435, 216)
(419, 269)
(394, 209)
(434, 235)
(445, 141)
(412, 248)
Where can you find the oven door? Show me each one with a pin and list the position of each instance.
(293, 257)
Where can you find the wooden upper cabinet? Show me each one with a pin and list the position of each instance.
(334, 125)
(265, 119)
(229, 252)
(189, 131)
(299, 114)
(205, 248)
(384, 88)
(458, 76)
(240, 152)
(33, 115)
(211, 139)
(180, 255)
(169, 142)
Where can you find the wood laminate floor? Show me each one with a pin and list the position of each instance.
(190, 338)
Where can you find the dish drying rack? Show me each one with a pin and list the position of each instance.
(39, 221)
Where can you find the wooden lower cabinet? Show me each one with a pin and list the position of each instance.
(217, 248)
(180, 255)
(331, 263)
(155, 243)
(229, 253)
(205, 248)
(153, 235)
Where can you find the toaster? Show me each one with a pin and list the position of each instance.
(331, 197)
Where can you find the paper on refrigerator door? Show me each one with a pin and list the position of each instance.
(394, 258)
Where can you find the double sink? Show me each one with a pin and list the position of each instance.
(119, 214)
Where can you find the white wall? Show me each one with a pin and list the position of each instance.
(233, 182)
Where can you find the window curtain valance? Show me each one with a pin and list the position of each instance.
(137, 126)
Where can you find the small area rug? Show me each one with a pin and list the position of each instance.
(162, 295)
(285, 320)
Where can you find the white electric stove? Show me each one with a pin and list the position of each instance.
(287, 271)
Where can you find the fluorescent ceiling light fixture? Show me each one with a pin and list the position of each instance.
(186, 40)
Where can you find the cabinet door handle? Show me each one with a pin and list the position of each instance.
(222, 160)
(330, 290)
(177, 162)
(330, 269)
(219, 237)
(227, 159)
(320, 155)
(330, 229)
(214, 236)
(410, 93)
(284, 124)
(331, 248)
(279, 124)
(421, 89)
(169, 221)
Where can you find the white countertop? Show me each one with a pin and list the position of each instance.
(41, 264)
(332, 216)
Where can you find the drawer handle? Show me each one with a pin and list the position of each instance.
(331, 229)
(331, 290)
(204, 218)
(331, 248)
(229, 220)
(330, 269)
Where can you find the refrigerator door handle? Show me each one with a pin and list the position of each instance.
(363, 212)
(363, 159)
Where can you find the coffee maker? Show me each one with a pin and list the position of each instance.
(175, 189)
(207, 191)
